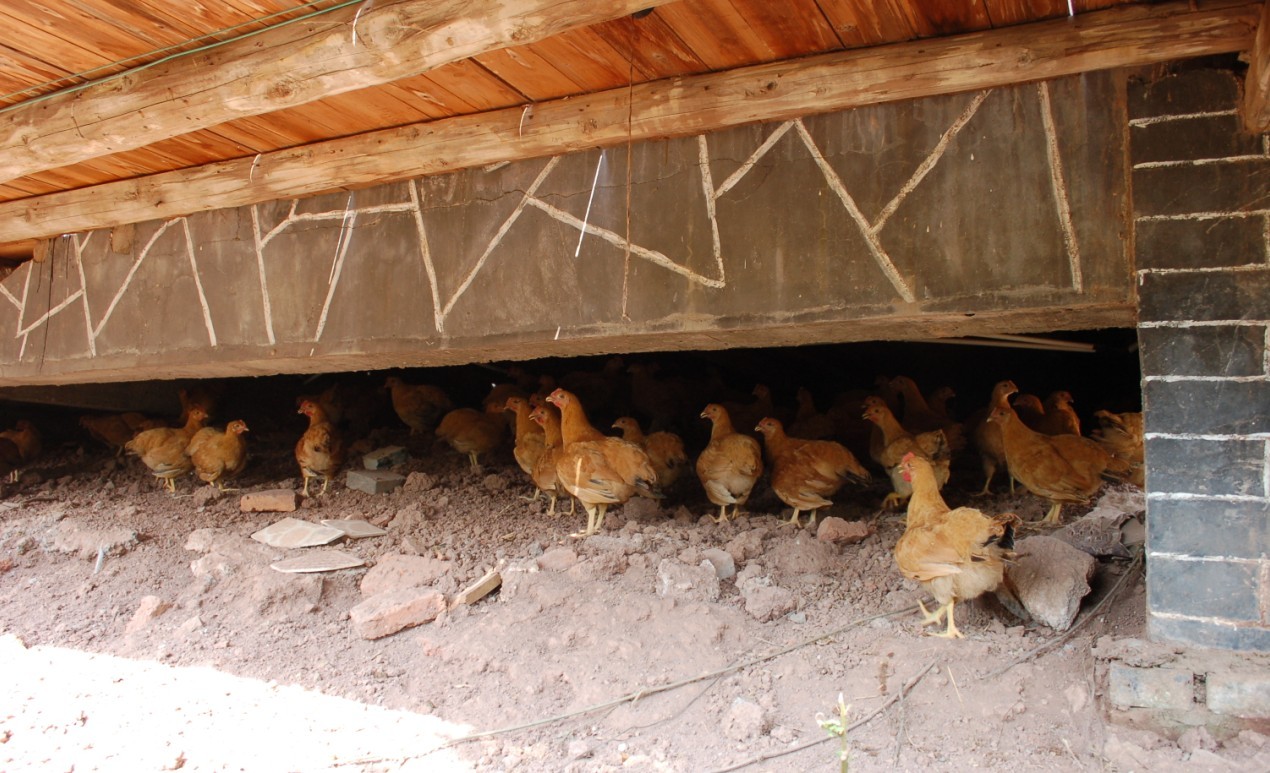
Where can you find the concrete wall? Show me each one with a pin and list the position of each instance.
(1200, 194)
(1002, 211)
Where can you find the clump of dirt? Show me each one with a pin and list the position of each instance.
(734, 638)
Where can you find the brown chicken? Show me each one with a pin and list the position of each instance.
(473, 432)
(419, 406)
(10, 458)
(110, 429)
(730, 465)
(1031, 410)
(219, 455)
(895, 442)
(746, 415)
(808, 422)
(531, 438)
(204, 394)
(331, 401)
(918, 416)
(1060, 468)
(987, 437)
(957, 554)
(162, 449)
(1059, 417)
(544, 472)
(320, 450)
(938, 401)
(599, 470)
(665, 450)
(806, 472)
(1121, 434)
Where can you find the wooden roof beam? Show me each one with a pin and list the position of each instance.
(1127, 36)
(1257, 82)
(283, 67)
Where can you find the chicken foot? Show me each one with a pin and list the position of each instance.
(1052, 518)
(933, 618)
(594, 520)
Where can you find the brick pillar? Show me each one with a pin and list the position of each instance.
(1201, 194)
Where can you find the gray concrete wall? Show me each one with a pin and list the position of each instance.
(1001, 211)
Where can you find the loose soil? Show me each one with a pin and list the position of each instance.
(245, 668)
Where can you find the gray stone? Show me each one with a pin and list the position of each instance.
(389, 456)
(745, 721)
(1051, 577)
(374, 481)
(1096, 533)
(1239, 694)
(721, 561)
(1150, 688)
(682, 582)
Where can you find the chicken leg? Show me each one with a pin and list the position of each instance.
(933, 618)
(1052, 518)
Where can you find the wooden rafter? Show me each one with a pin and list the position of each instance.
(1128, 36)
(280, 68)
(1257, 83)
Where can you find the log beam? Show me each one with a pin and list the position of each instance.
(354, 47)
(1257, 82)
(1126, 36)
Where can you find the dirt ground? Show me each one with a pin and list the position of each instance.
(251, 669)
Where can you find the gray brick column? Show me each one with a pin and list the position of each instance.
(1201, 193)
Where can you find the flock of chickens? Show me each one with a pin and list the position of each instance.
(808, 456)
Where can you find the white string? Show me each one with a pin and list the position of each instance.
(590, 199)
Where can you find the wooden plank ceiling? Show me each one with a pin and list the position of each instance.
(48, 47)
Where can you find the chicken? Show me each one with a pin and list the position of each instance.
(666, 402)
(203, 394)
(957, 554)
(665, 450)
(1031, 410)
(109, 429)
(419, 406)
(162, 449)
(544, 471)
(1060, 468)
(601, 391)
(531, 438)
(938, 401)
(808, 422)
(1121, 434)
(330, 400)
(806, 472)
(987, 437)
(320, 450)
(896, 442)
(30, 444)
(473, 432)
(599, 470)
(746, 415)
(218, 455)
(10, 458)
(730, 465)
(918, 416)
(1059, 417)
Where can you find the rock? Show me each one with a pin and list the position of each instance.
(642, 510)
(149, 608)
(686, 583)
(1133, 532)
(205, 495)
(295, 533)
(1130, 500)
(745, 721)
(557, 560)
(73, 537)
(747, 545)
(406, 519)
(1097, 532)
(765, 602)
(839, 531)
(579, 750)
(420, 481)
(190, 626)
(1196, 738)
(722, 562)
(373, 481)
(396, 572)
(1051, 577)
(494, 482)
(387, 613)
(389, 456)
(278, 500)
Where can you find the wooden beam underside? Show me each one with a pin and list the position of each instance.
(1128, 36)
(1257, 83)
(350, 48)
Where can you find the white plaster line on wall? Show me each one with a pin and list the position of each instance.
(930, 161)
(1217, 379)
(1207, 621)
(83, 286)
(1059, 187)
(1207, 323)
(707, 185)
(198, 282)
(1265, 238)
(1202, 559)
(1158, 496)
(870, 238)
(1202, 215)
(498, 236)
(334, 214)
(1200, 162)
(1201, 436)
(4, 291)
(618, 240)
(132, 272)
(46, 316)
(425, 254)
(1180, 117)
(26, 290)
(260, 267)
(754, 158)
(337, 267)
(1240, 268)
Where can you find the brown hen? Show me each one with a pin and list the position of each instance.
(730, 465)
(473, 432)
(320, 450)
(219, 455)
(162, 449)
(806, 472)
(665, 450)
